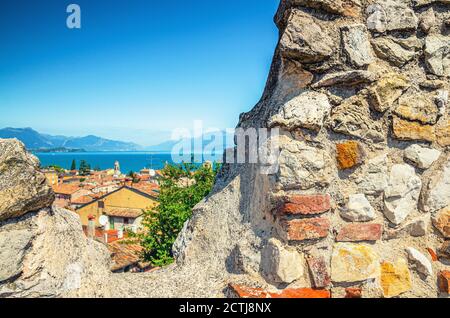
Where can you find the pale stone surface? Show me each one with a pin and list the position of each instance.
(428, 20)
(304, 39)
(390, 15)
(437, 192)
(395, 278)
(375, 178)
(416, 228)
(349, 8)
(358, 209)
(402, 193)
(421, 262)
(22, 187)
(437, 54)
(353, 262)
(356, 45)
(306, 110)
(388, 49)
(13, 245)
(353, 118)
(303, 166)
(281, 264)
(418, 107)
(422, 157)
(387, 90)
(347, 78)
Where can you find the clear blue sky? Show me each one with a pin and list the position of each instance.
(136, 69)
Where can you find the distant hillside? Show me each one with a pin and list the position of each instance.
(34, 140)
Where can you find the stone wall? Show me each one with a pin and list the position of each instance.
(360, 206)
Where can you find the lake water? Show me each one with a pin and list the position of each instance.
(104, 160)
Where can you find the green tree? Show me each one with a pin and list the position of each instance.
(181, 188)
(74, 165)
(56, 168)
(85, 168)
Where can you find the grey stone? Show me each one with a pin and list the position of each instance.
(421, 263)
(281, 264)
(402, 193)
(305, 40)
(417, 227)
(391, 15)
(375, 178)
(342, 7)
(421, 3)
(388, 49)
(356, 45)
(428, 20)
(22, 187)
(436, 194)
(437, 54)
(346, 78)
(307, 110)
(422, 157)
(13, 246)
(358, 209)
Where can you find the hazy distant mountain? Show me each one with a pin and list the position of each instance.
(34, 140)
(206, 139)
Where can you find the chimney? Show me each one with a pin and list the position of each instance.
(91, 227)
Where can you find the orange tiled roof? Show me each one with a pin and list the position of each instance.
(148, 188)
(66, 189)
(83, 199)
(123, 254)
(124, 212)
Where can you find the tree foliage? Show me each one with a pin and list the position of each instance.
(74, 165)
(85, 168)
(181, 188)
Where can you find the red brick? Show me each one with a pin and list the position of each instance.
(318, 271)
(359, 232)
(251, 292)
(353, 292)
(305, 229)
(305, 204)
(444, 281)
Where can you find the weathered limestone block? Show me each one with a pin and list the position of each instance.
(349, 154)
(304, 229)
(346, 78)
(359, 232)
(402, 193)
(358, 209)
(443, 133)
(353, 118)
(390, 50)
(305, 40)
(305, 204)
(408, 130)
(442, 221)
(356, 45)
(422, 157)
(390, 15)
(436, 194)
(437, 54)
(303, 166)
(416, 228)
(418, 107)
(428, 21)
(22, 187)
(353, 262)
(281, 264)
(13, 246)
(307, 110)
(375, 178)
(348, 8)
(395, 278)
(420, 261)
(387, 90)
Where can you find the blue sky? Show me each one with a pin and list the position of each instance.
(136, 69)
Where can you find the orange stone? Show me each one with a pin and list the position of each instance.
(408, 130)
(305, 229)
(432, 253)
(442, 221)
(305, 204)
(349, 154)
(353, 292)
(444, 281)
(251, 292)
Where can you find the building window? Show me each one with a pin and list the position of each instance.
(101, 204)
(126, 221)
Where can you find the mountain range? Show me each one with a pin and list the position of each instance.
(36, 141)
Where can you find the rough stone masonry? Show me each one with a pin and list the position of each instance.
(360, 205)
